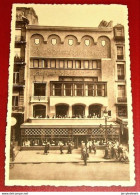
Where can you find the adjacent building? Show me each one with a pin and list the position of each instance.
(24, 16)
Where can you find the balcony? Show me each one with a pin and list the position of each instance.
(17, 81)
(39, 99)
(19, 39)
(18, 108)
(122, 99)
(19, 60)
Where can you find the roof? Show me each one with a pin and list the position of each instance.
(69, 28)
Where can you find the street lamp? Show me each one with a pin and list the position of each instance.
(106, 117)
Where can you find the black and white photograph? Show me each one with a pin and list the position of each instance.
(69, 117)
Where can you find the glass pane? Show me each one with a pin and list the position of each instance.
(90, 90)
(121, 90)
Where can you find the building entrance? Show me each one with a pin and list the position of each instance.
(78, 139)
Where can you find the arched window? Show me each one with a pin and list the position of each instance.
(95, 111)
(61, 110)
(39, 111)
(78, 111)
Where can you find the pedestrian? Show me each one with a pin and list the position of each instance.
(94, 147)
(82, 148)
(69, 148)
(61, 147)
(46, 148)
(120, 150)
(12, 152)
(90, 146)
(85, 156)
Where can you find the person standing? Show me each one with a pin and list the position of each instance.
(61, 147)
(69, 148)
(85, 156)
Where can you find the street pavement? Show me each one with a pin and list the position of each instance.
(38, 156)
(35, 165)
(70, 171)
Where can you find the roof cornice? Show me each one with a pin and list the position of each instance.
(69, 28)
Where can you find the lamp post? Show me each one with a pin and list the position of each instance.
(106, 117)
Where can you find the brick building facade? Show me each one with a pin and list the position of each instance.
(73, 86)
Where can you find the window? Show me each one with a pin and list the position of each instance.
(87, 42)
(52, 63)
(39, 89)
(54, 41)
(18, 35)
(99, 90)
(119, 32)
(61, 64)
(121, 90)
(14, 101)
(79, 90)
(94, 64)
(58, 89)
(90, 90)
(16, 78)
(67, 89)
(43, 63)
(39, 111)
(17, 52)
(78, 64)
(86, 64)
(70, 64)
(120, 52)
(70, 41)
(120, 71)
(122, 111)
(36, 63)
(37, 41)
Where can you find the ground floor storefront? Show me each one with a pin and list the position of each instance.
(37, 136)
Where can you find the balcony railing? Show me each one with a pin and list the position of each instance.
(18, 59)
(121, 77)
(18, 108)
(122, 99)
(19, 39)
(39, 99)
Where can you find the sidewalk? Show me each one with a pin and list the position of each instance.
(54, 156)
